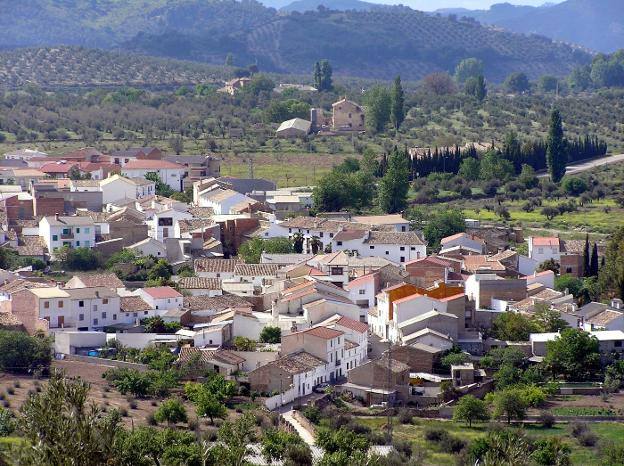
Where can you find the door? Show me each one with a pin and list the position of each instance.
(61, 321)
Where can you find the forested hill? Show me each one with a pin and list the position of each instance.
(374, 44)
(596, 24)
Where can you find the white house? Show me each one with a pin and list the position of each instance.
(162, 224)
(24, 154)
(543, 248)
(464, 240)
(149, 247)
(161, 297)
(116, 187)
(395, 221)
(224, 201)
(74, 232)
(169, 173)
(398, 247)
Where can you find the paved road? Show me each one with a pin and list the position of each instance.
(305, 434)
(584, 166)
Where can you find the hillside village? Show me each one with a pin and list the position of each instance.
(361, 307)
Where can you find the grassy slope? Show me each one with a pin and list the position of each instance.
(415, 434)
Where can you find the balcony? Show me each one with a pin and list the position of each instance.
(338, 362)
(69, 235)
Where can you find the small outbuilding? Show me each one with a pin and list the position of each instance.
(295, 128)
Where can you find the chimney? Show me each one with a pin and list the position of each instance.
(274, 311)
(56, 216)
(616, 303)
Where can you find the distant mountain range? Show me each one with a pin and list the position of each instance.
(373, 43)
(595, 24)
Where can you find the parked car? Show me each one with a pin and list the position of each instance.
(320, 388)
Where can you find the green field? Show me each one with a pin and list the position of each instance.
(608, 431)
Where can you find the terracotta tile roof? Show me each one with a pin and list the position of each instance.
(461, 235)
(545, 241)
(361, 327)
(216, 265)
(147, 164)
(369, 277)
(207, 356)
(325, 333)
(191, 224)
(201, 212)
(604, 317)
(217, 303)
(506, 254)
(256, 270)
(573, 246)
(162, 292)
(8, 319)
(349, 235)
(133, 304)
(297, 363)
(109, 280)
(58, 167)
(431, 260)
(472, 263)
(394, 238)
(97, 217)
(31, 246)
(199, 283)
(322, 224)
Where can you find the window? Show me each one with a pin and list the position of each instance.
(165, 222)
(337, 270)
(80, 303)
(54, 237)
(540, 250)
(146, 312)
(321, 234)
(77, 230)
(568, 269)
(87, 244)
(412, 248)
(402, 248)
(46, 304)
(103, 315)
(362, 291)
(95, 307)
(114, 316)
(61, 304)
(402, 259)
(371, 247)
(403, 228)
(617, 344)
(95, 321)
(87, 230)
(80, 316)
(135, 314)
(331, 235)
(339, 243)
(290, 230)
(105, 301)
(77, 244)
(387, 253)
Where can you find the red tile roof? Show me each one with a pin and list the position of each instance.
(431, 260)
(349, 235)
(58, 167)
(361, 327)
(323, 332)
(147, 164)
(161, 292)
(545, 241)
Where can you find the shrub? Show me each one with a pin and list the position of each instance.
(11, 391)
(298, 454)
(404, 447)
(546, 419)
(587, 439)
(17, 384)
(7, 422)
(132, 404)
(578, 428)
(171, 411)
(123, 412)
(151, 420)
(312, 413)
(434, 434)
(193, 423)
(405, 416)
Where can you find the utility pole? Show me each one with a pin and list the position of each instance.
(251, 167)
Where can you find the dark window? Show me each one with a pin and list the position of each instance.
(331, 235)
(165, 222)
(372, 247)
(339, 243)
(321, 234)
(402, 259)
(80, 303)
(617, 344)
(402, 248)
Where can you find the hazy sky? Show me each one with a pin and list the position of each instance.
(428, 5)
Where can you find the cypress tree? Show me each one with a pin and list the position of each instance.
(397, 111)
(394, 185)
(593, 268)
(318, 77)
(586, 259)
(556, 155)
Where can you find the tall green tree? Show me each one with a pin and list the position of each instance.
(323, 76)
(573, 355)
(586, 258)
(394, 186)
(470, 409)
(476, 87)
(398, 103)
(318, 77)
(517, 83)
(468, 68)
(611, 277)
(556, 155)
(378, 102)
(593, 263)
